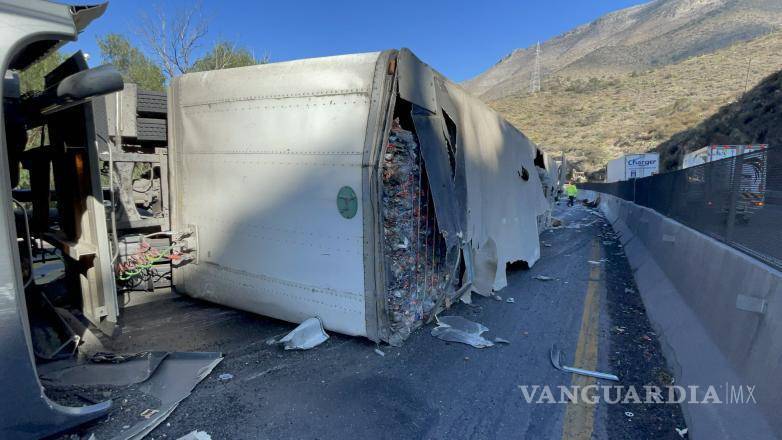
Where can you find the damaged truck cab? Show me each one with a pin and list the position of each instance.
(30, 31)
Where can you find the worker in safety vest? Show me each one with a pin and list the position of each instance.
(572, 192)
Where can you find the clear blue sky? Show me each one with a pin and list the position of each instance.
(459, 38)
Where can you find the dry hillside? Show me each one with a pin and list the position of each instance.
(638, 38)
(595, 118)
(756, 118)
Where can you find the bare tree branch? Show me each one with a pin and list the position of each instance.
(174, 39)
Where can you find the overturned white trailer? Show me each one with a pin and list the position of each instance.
(294, 179)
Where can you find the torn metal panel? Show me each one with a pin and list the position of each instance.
(459, 329)
(134, 369)
(173, 381)
(144, 405)
(308, 334)
(434, 149)
(504, 193)
(416, 81)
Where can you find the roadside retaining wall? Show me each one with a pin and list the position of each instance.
(718, 312)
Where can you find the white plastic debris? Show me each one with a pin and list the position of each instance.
(380, 352)
(593, 262)
(629, 414)
(458, 329)
(543, 278)
(501, 340)
(496, 297)
(225, 377)
(196, 435)
(307, 335)
(682, 432)
(510, 300)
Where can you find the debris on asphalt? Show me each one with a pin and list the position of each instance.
(510, 300)
(141, 401)
(555, 222)
(458, 329)
(496, 297)
(108, 369)
(307, 335)
(225, 377)
(543, 278)
(629, 414)
(556, 359)
(147, 413)
(628, 290)
(682, 432)
(196, 435)
(594, 262)
(501, 340)
(380, 352)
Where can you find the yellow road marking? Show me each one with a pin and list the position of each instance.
(580, 416)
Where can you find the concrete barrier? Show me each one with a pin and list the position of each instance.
(718, 312)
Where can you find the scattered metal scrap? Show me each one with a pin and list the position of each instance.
(556, 359)
(225, 377)
(458, 329)
(146, 387)
(308, 334)
(108, 369)
(196, 435)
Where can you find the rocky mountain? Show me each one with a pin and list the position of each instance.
(755, 118)
(593, 119)
(635, 39)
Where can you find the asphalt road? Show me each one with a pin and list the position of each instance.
(429, 388)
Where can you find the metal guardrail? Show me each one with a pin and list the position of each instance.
(737, 200)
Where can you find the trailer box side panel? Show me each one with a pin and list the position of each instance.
(267, 173)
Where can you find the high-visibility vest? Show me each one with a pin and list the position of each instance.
(571, 190)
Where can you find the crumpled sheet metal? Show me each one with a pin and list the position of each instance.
(502, 208)
(172, 382)
(196, 435)
(459, 329)
(308, 334)
(134, 370)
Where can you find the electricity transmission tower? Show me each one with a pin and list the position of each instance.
(534, 84)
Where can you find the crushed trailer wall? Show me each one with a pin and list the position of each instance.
(278, 171)
(504, 191)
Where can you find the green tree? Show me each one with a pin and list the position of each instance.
(31, 79)
(225, 55)
(131, 62)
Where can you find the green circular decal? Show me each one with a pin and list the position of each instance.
(347, 203)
